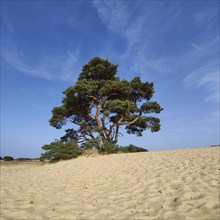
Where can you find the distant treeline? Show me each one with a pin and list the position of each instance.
(10, 158)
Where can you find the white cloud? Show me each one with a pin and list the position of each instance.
(114, 14)
(204, 62)
(118, 19)
(137, 31)
(144, 64)
(205, 48)
(15, 59)
(206, 77)
(70, 66)
(137, 35)
(211, 81)
(49, 67)
(197, 47)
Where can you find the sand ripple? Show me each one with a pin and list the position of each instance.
(178, 184)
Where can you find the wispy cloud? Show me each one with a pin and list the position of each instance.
(137, 32)
(15, 59)
(118, 19)
(205, 15)
(204, 63)
(197, 47)
(49, 67)
(114, 14)
(205, 47)
(206, 77)
(70, 66)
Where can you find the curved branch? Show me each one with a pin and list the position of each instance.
(90, 107)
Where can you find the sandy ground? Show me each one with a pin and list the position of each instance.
(177, 184)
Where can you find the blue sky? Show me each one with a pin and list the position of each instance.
(174, 44)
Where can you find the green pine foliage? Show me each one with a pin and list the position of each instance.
(57, 150)
(132, 149)
(108, 148)
(93, 143)
(100, 104)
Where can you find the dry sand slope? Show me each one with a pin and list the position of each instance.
(178, 184)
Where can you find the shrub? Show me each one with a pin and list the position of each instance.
(23, 158)
(92, 144)
(56, 151)
(109, 148)
(132, 148)
(1, 158)
(8, 158)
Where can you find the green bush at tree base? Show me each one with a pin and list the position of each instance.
(108, 148)
(56, 151)
(132, 149)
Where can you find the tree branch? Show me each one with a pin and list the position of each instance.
(116, 134)
(91, 116)
(90, 107)
(98, 111)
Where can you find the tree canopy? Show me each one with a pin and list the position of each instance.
(100, 103)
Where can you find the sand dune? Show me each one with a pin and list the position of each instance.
(177, 184)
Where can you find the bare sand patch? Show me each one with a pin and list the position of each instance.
(177, 184)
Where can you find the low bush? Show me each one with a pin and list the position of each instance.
(108, 148)
(56, 151)
(8, 158)
(92, 144)
(132, 148)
